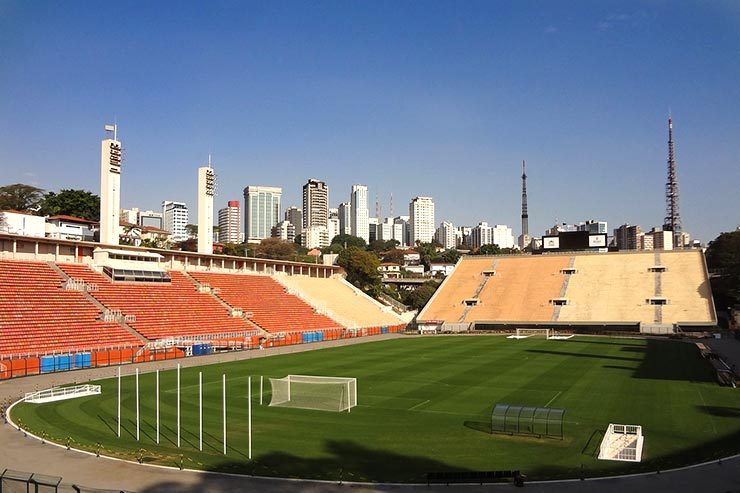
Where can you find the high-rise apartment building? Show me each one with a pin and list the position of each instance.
(345, 218)
(503, 236)
(626, 237)
(229, 223)
(261, 212)
(359, 216)
(294, 215)
(421, 220)
(284, 230)
(445, 235)
(175, 215)
(315, 203)
(481, 235)
(593, 226)
(401, 230)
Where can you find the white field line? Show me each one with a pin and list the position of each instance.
(711, 421)
(418, 405)
(551, 400)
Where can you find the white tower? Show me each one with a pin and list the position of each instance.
(206, 191)
(360, 225)
(110, 187)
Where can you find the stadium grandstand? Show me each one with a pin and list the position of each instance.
(650, 292)
(70, 304)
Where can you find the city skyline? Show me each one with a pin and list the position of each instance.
(346, 94)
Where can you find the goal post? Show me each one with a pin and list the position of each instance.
(314, 392)
(525, 333)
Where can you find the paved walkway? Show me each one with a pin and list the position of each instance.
(27, 454)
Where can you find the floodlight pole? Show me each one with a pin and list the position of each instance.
(200, 413)
(157, 406)
(178, 405)
(137, 404)
(119, 402)
(224, 405)
(249, 413)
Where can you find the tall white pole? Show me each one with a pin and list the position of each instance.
(157, 405)
(137, 404)
(249, 414)
(260, 390)
(119, 402)
(200, 413)
(224, 404)
(178, 405)
(349, 399)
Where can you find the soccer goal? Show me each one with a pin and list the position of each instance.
(525, 333)
(622, 442)
(311, 392)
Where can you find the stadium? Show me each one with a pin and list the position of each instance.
(560, 366)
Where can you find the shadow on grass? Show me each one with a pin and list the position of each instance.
(593, 444)
(673, 360)
(618, 342)
(721, 411)
(582, 355)
(482, 426)
(342, 461)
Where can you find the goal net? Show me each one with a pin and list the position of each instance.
(622, 442)
(312, 392)
(524, 333)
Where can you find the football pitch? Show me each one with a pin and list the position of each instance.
(424, 405)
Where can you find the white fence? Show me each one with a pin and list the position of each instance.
(62, 393)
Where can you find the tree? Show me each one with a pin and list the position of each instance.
(192, 230)
(447, 257)
(380, 246)
(235, 249)
(20, 197)
(427, 251)
(395, 256)
(362, 268)
(276, 248)
(723, 258)
(421, 295)
(69, 202)
(348, 241)
(488, 250)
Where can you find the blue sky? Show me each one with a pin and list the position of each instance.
(410, 98)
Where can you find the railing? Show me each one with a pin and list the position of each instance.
(58, 393)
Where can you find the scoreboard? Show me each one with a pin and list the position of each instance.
(574, 240)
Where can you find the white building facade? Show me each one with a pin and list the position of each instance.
(445, 235)
(421, 220)
(481, 235)
(175, 215)
(503, 236)
(359, 225)
(345, 218)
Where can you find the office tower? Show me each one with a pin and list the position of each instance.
(261, 211)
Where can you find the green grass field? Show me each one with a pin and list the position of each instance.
(424, 405)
